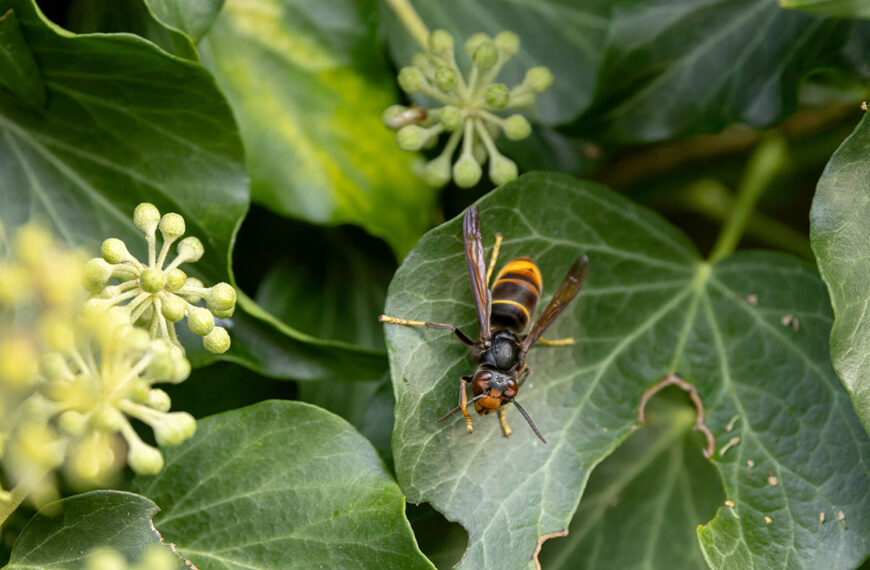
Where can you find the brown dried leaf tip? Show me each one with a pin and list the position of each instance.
(677, 380)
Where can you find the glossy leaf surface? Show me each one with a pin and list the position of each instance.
(839, 232)
(64, 533)
(650, 307)
(308, 90)
(281, 485)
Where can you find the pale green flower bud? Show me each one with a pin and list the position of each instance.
(152, 280)
(138, 339)
(162, 365)
(180, 372)
(106, 418)
(451, 117)
(539, 78)
(172, 226)
(146, 217)
(157, 557)
(411, 79)
(440, 42)
(106, 559)
(411, 137)
(96, 275)
(144, 459)
(501, 169)
(175, 280)
(437, 171)
(472, 43)
(466, 171)
(224, 314)
(497, 95)
(221, 297)
(137, 390)
(174, 428)
(114, 251)
(54, 368)
(217, 341)
(508, 43)
(190, 249)
(57, 332)
(517, 127)
(173, 308)
(158, 400)
(446, 79)
(422, 61)
(485, 55)
(72, 423)
(200, 321)
(479, 152)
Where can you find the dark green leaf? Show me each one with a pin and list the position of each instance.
(64, 533)
(838, 8)
(651, 307)
(124, 123)
(643, 504)
(679, 67)
(308, 87)
(567, 37)
(281, 485)
(839, 231)
(18, 70)
(193, 17)
(331, 284)
(133, 16)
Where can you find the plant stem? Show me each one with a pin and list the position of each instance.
(765, 164)
(411, 20)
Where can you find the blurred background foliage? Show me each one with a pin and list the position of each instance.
(660, 103)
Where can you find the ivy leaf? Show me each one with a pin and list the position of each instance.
(567, 37)
(839, 230)
(281, 483)
(18, 70)
(678, 67)
(651, 307)
(308, 88)
(836, 8)
(118, 129)
(63, 534)
(193, 17)
(644, 502)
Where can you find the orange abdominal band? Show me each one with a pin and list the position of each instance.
(509, 302)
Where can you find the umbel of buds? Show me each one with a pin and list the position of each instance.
(472, 107)
(157, 294)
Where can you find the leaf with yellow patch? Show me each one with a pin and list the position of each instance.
(308, 86)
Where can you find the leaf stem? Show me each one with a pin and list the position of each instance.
(765, 164)
(411, 20)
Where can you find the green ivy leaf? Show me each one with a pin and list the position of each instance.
(64, 533)
(281, 485)
(567, 37)
(119, 128)
(308, 87)
(18, 70)
(679, 67)
(836, 8)
(839, 230)
(124, 123)
(643, 503)
(651, 307)
(193, 17)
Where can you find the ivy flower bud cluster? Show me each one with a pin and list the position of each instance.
(471, 107)
(157, 294)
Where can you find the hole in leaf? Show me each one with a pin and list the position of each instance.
(442, 541)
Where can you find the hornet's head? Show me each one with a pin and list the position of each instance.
(497, 388)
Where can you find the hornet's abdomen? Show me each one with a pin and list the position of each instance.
(515, 295)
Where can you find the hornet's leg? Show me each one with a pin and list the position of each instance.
(503, 421)
(463, 402)
(492, 259)
(557, 342)
(405, 322)
(522, 374)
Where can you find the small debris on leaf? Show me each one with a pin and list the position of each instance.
(841, 516)
(821, 520)
(731, 443)
(790, 320)
(731, 423)
(767, 519)
(771, 479)
(750, 463)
